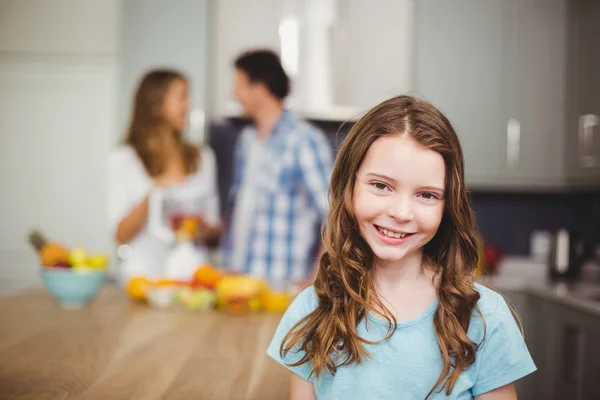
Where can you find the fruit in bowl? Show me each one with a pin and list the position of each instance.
(71, 276)
(55, 255)
(72, 288)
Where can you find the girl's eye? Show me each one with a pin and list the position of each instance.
(429, 196)
(379, 185)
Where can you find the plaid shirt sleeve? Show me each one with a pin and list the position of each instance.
(316, 163)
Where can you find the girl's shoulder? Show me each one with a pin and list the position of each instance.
(304, 303)
(489, 301)
(493, 313)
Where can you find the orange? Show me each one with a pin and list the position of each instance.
(136, 288)
(275, 301)
(207, 275)
(165, 283)
(190, 226)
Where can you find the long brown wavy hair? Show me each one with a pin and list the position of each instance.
(344, 286)
(147, 125)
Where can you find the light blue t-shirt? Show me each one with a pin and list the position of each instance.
(407, 365)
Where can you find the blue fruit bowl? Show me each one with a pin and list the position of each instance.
(72, 288)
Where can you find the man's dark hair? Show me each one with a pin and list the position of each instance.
(264, 66)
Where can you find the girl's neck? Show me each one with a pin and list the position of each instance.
(407, 288)
(408, 271)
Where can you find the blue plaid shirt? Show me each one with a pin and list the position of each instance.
(292, 200)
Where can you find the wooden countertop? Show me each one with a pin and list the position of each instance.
(115, 349)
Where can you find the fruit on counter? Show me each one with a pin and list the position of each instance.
(136, 288)
(166, 283)
(207, 276)
(275, 301)
(51, 253)
(196, 299)
(240, 293)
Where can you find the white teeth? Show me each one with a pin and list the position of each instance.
(391, 234)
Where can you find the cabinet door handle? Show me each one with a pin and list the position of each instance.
(587, 124)
(513, 143)
(570, 357)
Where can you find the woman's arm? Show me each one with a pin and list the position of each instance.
(506, 392)
(131, 225)
(304, 390)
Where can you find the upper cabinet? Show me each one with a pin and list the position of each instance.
(583, 107)
(344, 57)
(510, 74)
(460, 56)
(66, 27)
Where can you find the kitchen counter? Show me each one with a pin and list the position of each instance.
(115, 349)
(526, 276)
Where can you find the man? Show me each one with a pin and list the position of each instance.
(278, 199)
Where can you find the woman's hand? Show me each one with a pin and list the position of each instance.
(207, 233)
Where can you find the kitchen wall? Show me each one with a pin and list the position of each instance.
(157, 34)
(58, 80)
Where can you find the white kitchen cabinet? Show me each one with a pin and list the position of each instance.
(535, 81)
(583, 107)
(56, 129)
(513, 76)
(460, 57)
(60, 27)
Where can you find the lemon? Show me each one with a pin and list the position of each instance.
(77, 256)
(97, 261)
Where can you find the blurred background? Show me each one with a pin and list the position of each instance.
(519, 79)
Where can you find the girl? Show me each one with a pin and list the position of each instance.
(394, 312)
(156, 156)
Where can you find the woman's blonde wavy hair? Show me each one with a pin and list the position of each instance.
(344, 286)
(147, 123)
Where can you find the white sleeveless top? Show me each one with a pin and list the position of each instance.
(129, 184)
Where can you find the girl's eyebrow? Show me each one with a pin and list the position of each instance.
(385, 178)
(432, 188)
(392, 180)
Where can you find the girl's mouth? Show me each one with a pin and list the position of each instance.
(390, 236)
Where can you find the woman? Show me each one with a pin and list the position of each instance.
(155, 157)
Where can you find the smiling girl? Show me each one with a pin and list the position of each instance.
(395, 312)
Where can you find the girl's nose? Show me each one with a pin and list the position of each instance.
(401, 210)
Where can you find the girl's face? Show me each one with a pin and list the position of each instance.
(176, 105)
(398, 198)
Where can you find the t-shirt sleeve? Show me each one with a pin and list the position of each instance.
(503, 355)
(303, 305)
